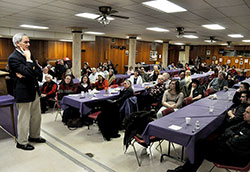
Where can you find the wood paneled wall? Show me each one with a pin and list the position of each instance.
(101, 51)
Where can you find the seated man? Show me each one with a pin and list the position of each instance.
(243, 87)
(235, 115)
(218, 83)
(230, 148)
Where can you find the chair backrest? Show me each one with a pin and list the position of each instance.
(57, 101)
(188, 100)
(167, 111)
(241, 169)
(208, 92)
(114, 86)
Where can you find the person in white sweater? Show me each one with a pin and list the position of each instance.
(136, 78)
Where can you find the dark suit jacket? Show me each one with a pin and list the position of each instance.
(24, 88)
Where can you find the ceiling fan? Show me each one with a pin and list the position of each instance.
(105, 13)
(181, 32)
(212, 39)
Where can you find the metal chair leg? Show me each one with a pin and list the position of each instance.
(137, 158)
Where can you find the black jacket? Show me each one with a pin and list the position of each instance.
(24, 88)
(124, 94)
(237, 138)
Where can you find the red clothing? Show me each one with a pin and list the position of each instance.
(67, 89)
(101, 86)
(49, 88)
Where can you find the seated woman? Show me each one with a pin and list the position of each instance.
(130, 70)
(136, 78)
(188, 77)
(66, 87)
(48, 91)
(172, 98)
(84, 84)
(101, 82)
(195, 92)
(109, 119)
(111, 77)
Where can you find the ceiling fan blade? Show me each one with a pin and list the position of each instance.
(113, 11)
(190, 32)
(98, 17)
(123, 17)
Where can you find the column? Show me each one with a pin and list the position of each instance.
(132, 51)
(76, 52)
(187, 52)
(165, 55)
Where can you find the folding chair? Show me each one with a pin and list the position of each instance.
(94, 116)
(188, 100)
(114, 86)
(57, 105)
(228, 168)
(139, 140)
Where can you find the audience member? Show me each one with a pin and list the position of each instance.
(172, 98)
(111, 77)
(84, 84)
(243, 87)
(195, 92)
(136, 78)
(48, 90)
(218, 83)
(93, 76)
(101, 83)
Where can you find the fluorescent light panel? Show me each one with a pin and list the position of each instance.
(159, 41)
(65, 40)
(235, 35)
(210, 41)
(224, 44)
(157, 29)
(179, 43)
(34, 26)
(94, 33)
(213, 26)
(91, 16)
(190, 36)
(164, 5)
(246, 40)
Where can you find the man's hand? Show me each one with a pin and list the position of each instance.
(26, 53)
(19, 75)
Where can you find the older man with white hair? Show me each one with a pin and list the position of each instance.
(25, 73)
(93, 76)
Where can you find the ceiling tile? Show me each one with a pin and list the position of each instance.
(209, 13)
(235, 11)
(192, 4)
(224, 3)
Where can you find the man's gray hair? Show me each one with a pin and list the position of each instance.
(18, 38)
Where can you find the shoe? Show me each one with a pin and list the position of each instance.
(178, 169)
(25, 147)
(116, 135)
(37, 140)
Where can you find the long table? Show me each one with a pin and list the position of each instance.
(8, 114)
(197, 76)
(238, 84)
(187, 135)
(84, 104)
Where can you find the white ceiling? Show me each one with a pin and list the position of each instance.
(59, 16)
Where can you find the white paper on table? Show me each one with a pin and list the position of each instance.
(94, 98)
(73, 95)
(174, 127)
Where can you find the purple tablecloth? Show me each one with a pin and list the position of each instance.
(82, 103)
(196, 76)
(172, 72)
(5, 116)
(209, 122)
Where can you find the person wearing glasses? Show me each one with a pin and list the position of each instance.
(25, 74)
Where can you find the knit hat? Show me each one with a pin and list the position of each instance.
(101, 74)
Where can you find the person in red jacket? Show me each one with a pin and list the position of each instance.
(102, 83)
(48, 91)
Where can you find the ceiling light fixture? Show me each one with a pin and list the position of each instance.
(65, 40)
(235, 35)
(213, 26)
(246, 40)
(159, 41)
(190, 36)
(34, 26)
(94, 33)
(179, 43)
(210, 41)
(164, 5)
(157, 29)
